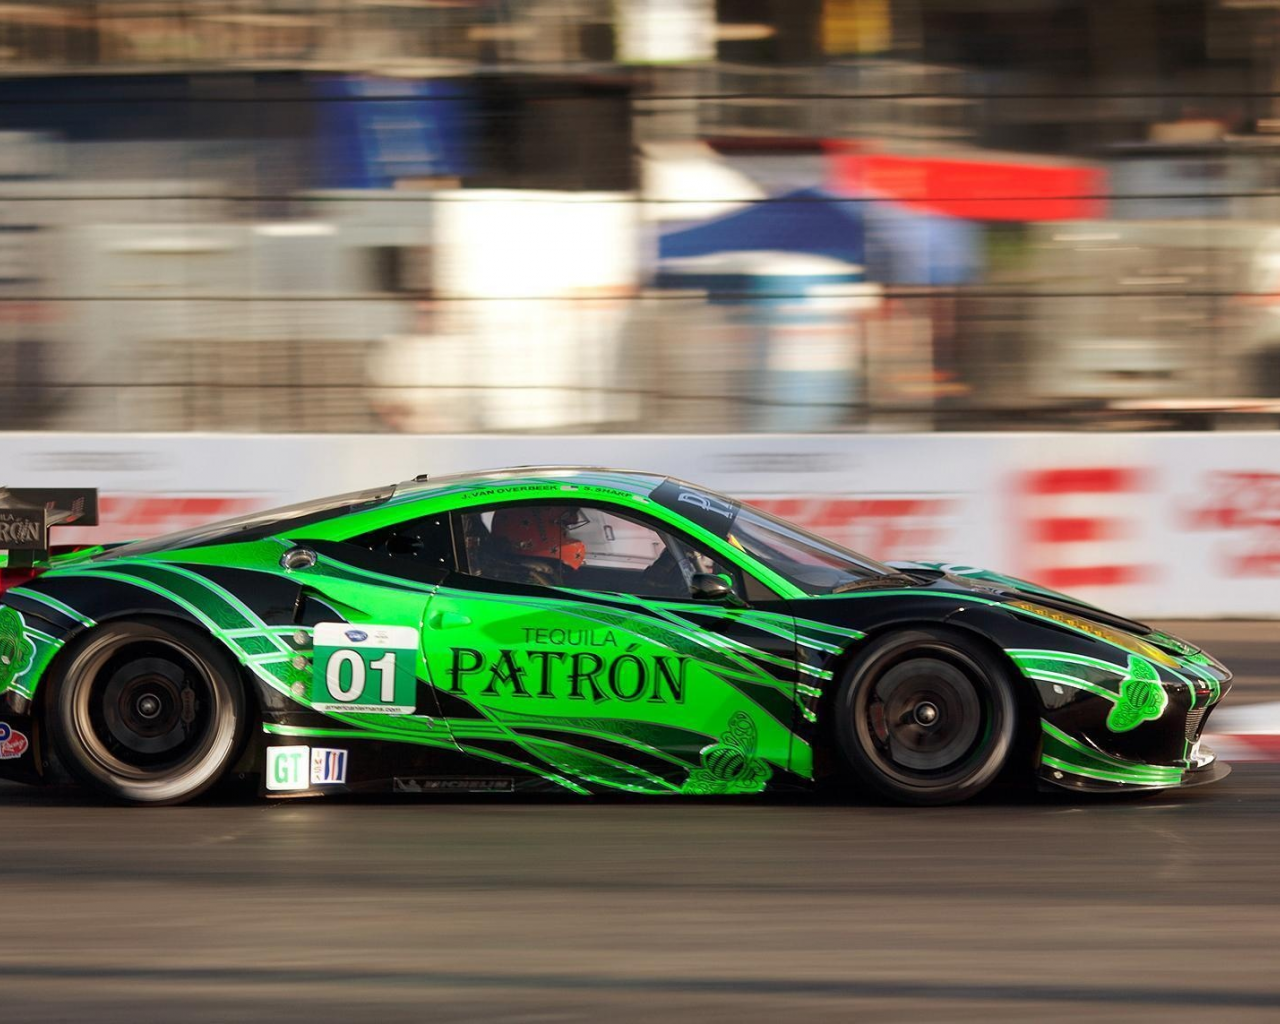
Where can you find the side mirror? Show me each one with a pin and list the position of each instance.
(706, 587)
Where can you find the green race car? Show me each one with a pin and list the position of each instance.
(572, 629)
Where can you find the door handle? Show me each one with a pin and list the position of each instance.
(447, 620)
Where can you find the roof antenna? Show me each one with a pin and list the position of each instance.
(421, 478)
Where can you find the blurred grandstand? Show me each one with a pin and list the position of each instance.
(669, 215)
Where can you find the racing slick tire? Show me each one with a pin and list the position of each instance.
(148, 712)
(925, 717)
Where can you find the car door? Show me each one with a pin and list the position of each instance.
(366, 600)
(569, 643)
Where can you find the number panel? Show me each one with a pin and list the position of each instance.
(364, 668)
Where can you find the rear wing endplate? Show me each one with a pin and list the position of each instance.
(27, 514)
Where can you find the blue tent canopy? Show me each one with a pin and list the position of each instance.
(896, 245)
(808, 220)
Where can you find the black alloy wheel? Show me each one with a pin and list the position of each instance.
(148, 713)
(925, 716)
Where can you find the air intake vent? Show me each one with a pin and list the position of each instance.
(1194, 719)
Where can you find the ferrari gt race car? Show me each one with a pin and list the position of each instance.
(572, 629)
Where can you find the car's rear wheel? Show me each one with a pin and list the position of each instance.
(148, 713)
(925, 717)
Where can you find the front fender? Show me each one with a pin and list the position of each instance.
(1114, 709)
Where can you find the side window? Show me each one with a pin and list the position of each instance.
(583, 547)
(426, 542)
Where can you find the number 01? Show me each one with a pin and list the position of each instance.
(384, 666)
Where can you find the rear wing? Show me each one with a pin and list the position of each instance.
(28, 514)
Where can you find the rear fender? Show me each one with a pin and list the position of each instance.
(43, 616)
(29, 642)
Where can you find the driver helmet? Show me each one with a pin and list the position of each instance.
(542, 531)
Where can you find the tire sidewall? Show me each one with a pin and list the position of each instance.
(227, 729)
(995, 692)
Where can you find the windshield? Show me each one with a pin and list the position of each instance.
(257, 525)
(815, 565)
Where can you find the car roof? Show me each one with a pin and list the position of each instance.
(318, 515)
(632, 481)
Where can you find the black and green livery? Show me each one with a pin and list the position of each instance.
(576, 629)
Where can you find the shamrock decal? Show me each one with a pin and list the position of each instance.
(1142, 697)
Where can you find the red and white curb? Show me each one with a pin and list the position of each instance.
(1249, 733)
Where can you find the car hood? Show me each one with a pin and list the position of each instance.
(1011, 589)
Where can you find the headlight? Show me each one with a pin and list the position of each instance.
(1125, 641)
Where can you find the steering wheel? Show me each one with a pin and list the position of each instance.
(667, 576)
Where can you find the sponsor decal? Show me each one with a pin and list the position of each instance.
(287, 768)
(576, 675)
(13, 744)
(21, 530)
(730, 765)
(464, 784)
(707, 503)
(543, 487)
(709, 512)
(1142, 698)
(16, 651)
(367, 670)
(570, 637)
(328, 766)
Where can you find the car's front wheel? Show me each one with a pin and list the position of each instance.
(148, 713)
(925, 717)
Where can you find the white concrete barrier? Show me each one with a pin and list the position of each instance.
(1151, 525)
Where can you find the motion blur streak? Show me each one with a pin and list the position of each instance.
(496, 910)
(673, 215)
(499, 909)
(645, 912)
(818, 245)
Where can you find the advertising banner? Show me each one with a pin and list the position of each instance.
(1150, 525)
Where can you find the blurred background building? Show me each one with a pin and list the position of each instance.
(612, 215)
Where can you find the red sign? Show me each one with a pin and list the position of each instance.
(133, 516)
(1247, 505)
(886, 528)
(1076, 522)
(974, 189)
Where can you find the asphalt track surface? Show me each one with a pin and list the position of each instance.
(511, 910)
